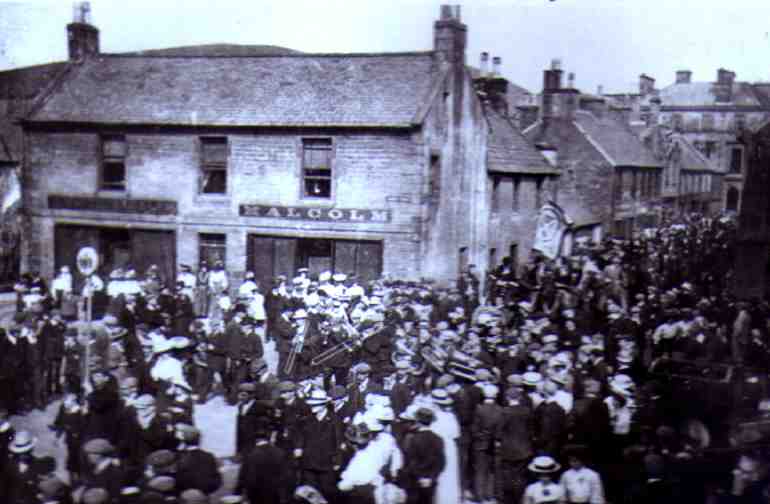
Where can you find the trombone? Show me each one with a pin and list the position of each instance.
(296, 349)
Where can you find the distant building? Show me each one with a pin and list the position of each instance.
(270, 160)
(610, 181)
(708, 115)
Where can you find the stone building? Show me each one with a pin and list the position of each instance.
(707, 114)
(610, 181)
(363, 163)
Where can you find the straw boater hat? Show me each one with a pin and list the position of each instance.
(622, 384)
(543, 465)
(317, 398)
(440, 396)
(531, 378)
(23, 442)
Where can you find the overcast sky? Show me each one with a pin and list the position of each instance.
(607, 42)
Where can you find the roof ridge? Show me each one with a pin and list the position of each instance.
(49, 90)
(288, 55)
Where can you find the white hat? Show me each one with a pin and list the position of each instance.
(299, 314)
(160, 346)
(441, 396)
(622, 384)
(339, 277)
(489, 390)
(180, 342)
(317, 397)
(543, 465)
(325, 276)
(23, 442)
(531, 378)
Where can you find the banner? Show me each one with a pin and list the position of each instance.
(552, 223)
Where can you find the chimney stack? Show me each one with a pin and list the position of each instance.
(724, 85)
(683, 76)
(600, 90)
(654, 111)
(450, 36)
(496, 62)
(646, 85)
(725, 77)
(484, 65)
(82, 36)
(571, 80)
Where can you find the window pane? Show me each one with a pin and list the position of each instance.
(212, 248)
(214, 182)
(318, 188)
(113, 176)
(322, 173)
(214, 150)
(114, 147)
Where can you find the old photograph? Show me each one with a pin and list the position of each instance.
(362, 252)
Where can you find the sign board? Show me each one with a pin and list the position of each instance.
(116, 205)
(552, 223)
(87, 260)
(316, 213)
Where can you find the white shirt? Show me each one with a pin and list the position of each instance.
(564, 399)
(247, 289)
(540, 492)
(218, 281)
(169, 369)
(257, 307)
(583, 486)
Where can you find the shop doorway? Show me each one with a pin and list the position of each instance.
(270, 256)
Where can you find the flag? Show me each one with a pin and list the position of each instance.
(552, 223)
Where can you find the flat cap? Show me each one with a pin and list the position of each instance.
(161, 458)
(163, 484)
(95, 496)
(193, 496)
(98, 445)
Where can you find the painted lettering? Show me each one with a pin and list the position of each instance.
(380, 216)
(292, 212)
(336, 214)
(273, 212)
(355, 216)
(314, 213)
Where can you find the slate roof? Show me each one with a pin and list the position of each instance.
(614, 140)
(381, 90)
(18, 88)
(698, 94)
(691, 158)
(217, 50)
(509, 152)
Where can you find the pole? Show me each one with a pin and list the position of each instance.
(89, 316)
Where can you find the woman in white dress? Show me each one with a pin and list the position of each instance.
(446, 426)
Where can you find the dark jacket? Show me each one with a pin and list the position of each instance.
(320, 443)
(515, 432)
(198, 469)
(264, 475)
(423, 457)
(21, 487)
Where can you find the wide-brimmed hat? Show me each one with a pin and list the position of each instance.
(441, 396)
(543, 465)
(622, 384)
(98, 446)
(23, 442)
(531, 378)
(317, 398)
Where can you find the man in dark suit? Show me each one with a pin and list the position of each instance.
(265, 470)
(196, 468)
(244, 347)
(362, 385)
(424, 458)
(513, 442)
(250, 411)
(318, 450)
(404, 387)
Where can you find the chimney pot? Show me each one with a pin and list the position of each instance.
(82, 37)
(555, 64)
(484, 66)
(683, 76)
(457, 9)
(446, 12)
(496, 62)
(600, 90)
(571, 80)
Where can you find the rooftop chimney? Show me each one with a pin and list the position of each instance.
(646, 85)
(683, 76)
(82, 37)
(725, 77)
(496, 62)
(571, 80)
(450, 35)
(724, 86)
(484, 65)
(599, 90)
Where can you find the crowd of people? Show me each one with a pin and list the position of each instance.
(535, 384)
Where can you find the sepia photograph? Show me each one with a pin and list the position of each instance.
(384, 252)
